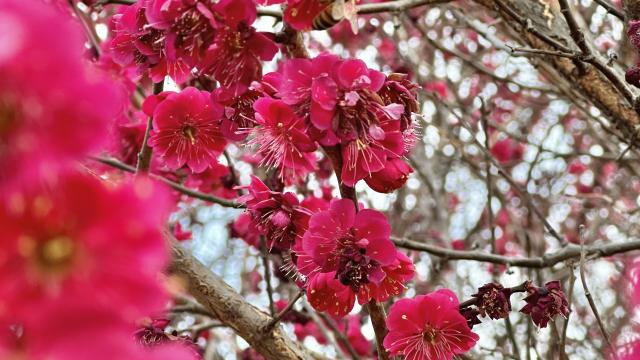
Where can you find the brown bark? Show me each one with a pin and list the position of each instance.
(539, 25)
(232, 310)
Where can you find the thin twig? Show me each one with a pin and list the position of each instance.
(587, 293)
(563, 338)
(144, 156)
(339, 335)
(610, 9)
(182, 189)
(264, 254)
(286, 310)
(570, 251)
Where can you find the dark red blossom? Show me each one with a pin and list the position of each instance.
(543, 304)
(428, 327)
(279, 217)
(186, 129)
(492, 300)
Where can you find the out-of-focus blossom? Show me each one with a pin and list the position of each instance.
(507, 150)
(44, 129)
(428, 327)
(59, 243)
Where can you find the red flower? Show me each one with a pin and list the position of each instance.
(281, 139)
(356, 246)
(216, 180)
(393, 176)
(59, 243)
(543, 304)
(238, 112)
(428, 327)
(138, 44)
(43, 129)
(279, 217)
(507, 150)
(300, 13)
(326, 293)
(396, 275)
(185, 129)
(342, 100)
(236, 55)
(188, 27)
(244, 227)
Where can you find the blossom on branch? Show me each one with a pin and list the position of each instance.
(186, 128)
(428, 327)
(543, 304)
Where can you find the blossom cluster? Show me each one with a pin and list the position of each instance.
(178, 37)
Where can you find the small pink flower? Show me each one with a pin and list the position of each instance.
(281, 139)
(507, 150)
(279, 217)
(428, 327)
(236, 54)
(137, 44)
(186, 130)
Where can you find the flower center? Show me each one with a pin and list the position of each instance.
(53, 256)
(190, 133)
(8, 114)
(354, 266)
(430, 334)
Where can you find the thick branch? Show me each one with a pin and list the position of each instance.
(600, 84)
(232, 310)
(569, 252)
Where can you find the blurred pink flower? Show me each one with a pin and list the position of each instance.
(44, 129)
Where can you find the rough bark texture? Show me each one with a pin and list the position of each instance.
(232, 310)
(545, 18)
